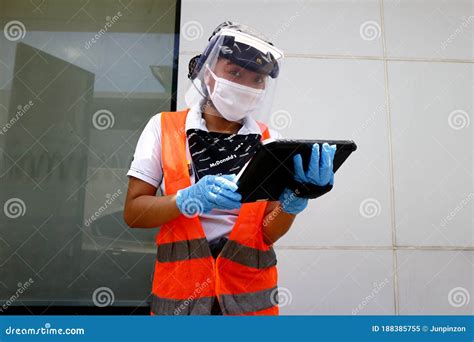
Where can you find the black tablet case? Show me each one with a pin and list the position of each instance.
(271, 169)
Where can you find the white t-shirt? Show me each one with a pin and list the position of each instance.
(147, 166)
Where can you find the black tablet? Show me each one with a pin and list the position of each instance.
(271, 169)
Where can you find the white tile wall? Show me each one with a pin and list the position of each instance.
(341, 99)
(429, 29)
(335, 282)
(298, 27)
(395, 235)
(436, 282)
(432, 153)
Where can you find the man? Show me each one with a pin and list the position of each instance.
(214, 254)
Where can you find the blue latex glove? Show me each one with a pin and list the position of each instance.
(320, 172)
(209, 192)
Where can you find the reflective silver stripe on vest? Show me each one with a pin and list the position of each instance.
(166, 306)
(183, 250)
(236, 304)
(248, 256)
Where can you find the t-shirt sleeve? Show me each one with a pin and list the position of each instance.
(146, 164)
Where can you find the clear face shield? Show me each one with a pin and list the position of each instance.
(235, 77)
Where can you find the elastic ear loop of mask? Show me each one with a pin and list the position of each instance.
(215, 80)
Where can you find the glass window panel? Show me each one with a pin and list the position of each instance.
(78, 82)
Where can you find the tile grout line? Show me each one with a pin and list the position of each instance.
(360, 57)
(392, 59)
(396, 292)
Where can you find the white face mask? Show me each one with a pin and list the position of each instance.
(234, 101)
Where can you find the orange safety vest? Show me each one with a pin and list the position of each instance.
(186, 277)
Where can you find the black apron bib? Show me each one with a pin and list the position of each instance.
(215, 153)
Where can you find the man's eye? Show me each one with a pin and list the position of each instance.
(234, 73)
(259, 80)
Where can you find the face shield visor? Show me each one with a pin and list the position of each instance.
(235, 77)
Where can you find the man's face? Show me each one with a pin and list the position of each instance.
(226, 69)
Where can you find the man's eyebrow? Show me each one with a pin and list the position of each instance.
(231, 65)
